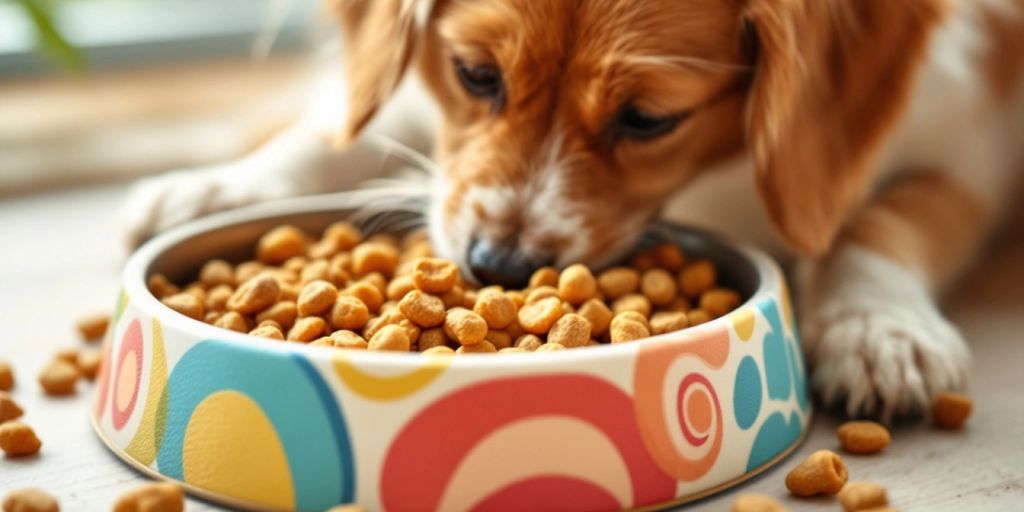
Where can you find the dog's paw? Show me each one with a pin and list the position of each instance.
(155, 204)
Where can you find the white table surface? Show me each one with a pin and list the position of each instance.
(60, 259)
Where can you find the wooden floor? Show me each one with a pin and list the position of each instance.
(60, 258)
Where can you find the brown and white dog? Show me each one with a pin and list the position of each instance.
(881, 136)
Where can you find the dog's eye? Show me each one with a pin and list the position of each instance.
(636, 124)
(481, 81)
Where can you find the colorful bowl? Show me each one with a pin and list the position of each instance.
(259, 424)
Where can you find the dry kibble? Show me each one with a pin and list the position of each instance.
(378, 281)
(390, 338)
(658, 286)
(323, 341)
(823, 472)
(59, 378)
(669, 257)
(434, 275)
(67, 354)
(232, 321)
(598, 314)
(465, 326)
(422, 309)
(30, 499)
(217, 298)
(374, 257)
(160, 286)
(348, 339)
(9, 409)
(18, 439)
(196, 290)
(496, 308)
(863, 437)
(367, 293)
(349, 313)
(668, 321)
(698, 316)
(248, 270)
(541, 292)
(93, 327)
(395, 318)
(544, 276)
(187, 304)
(570, 331)
(719, 301)
(316, 270)
(283, 314)
(628, 330)
(753, 502)
(217, 272)
(400, 286)
(857, 496)
(307, 329)
(618, 281)
(152, 497)
(281, 244)
(440, 350)
(344, 235)
(577, 285)
(431, 338)
(484, 347)
(6, 376)
(632, 302)
(643, 260)
(88, 363)
(295, 264)
(267, 331)
(550, 347)
(500, 339)
(512, 350)
(951, 410)
(529, 342)
(697, 278)
(538, 317)
(316, 297)
(255, 295)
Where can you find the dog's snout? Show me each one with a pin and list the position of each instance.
(501, 263)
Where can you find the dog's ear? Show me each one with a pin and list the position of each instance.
(831, 77)
(380, 40)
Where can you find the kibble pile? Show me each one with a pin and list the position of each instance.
(381, 293)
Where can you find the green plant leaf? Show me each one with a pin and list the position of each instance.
(50, 40)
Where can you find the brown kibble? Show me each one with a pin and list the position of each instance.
(439, 350)
(550, 347)
(344, 235)
(643, 260)
(618, 281)
(160, 286)
(248, 270)
(465, 326)
(378, 281)
(283, 313)
(88, 363)
(754, 502)
(267, 331)
(255, 294)
(669, 257)
(528, 342)
(9, 409)
(390, 338)
(484, 347)
(500, 339)
(217, 272)
(576, 284)
(316, 297)
(400, 286)
(349, 313)
(697, 278)
(658, 286)
(348, 339)
(374, 257)
(281, 244)
(18, 439)
(6, 376)
(857, 496)
(186, 304)
(863, 437)
(951, 410)
(152, 497)
(823, 472)
(570, 331)
(339, 269)
(598, 314)
(544, 276)
(395, 318)
(431, 338)
(232, 321)
(698, 316)
(538, 317)
(316, 270)
(496, 308)
(434, 275)
(30, 499)
(307, 329)
(59, 378)
(719, 301)
(455, 298)
(511, 350)
(323, 341)
(625, 330)
(217, 298)
(422, 309)
(541, 292)
(67, 354)
(367, 293)
(93, 327)
(632, 302)
(668, 321)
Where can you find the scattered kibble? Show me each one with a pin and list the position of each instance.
(18, 439)
(30, 499)
(6, 376)
(59, 378)
(9, 409)
(156, 497)
(823, 472)
(857, 496)
(753, 502)
(863, 437)
(93, 327)
(951, 410)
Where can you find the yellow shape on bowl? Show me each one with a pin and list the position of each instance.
(382, 389)
(743, 323)
(143, 446)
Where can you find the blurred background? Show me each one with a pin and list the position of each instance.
(100, 90)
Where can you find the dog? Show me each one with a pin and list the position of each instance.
(874, 141)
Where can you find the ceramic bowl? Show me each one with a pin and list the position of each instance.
(259, 424)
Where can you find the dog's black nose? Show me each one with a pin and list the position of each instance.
(501, 264)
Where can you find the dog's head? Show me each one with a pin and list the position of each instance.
(567, 124)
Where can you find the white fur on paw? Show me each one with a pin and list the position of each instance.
(155, 204)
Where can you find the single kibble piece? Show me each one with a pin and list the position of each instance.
(598, 314)
(577, 285)
(628, 330)
(669, 257)
(698, 316)
(18, 439)
(93, 327)
(541, 292)
(30, 499)
(618, 281)
(697, 278)
(232, 321)
(719, 301)
(390, 338)
(951, 410)
(153, 497)
(59, 378)
(349, 313)
(378, 281)
(88, 363)
(753, 502)
(544, 276)
(496, 308)
(217, 272)
(255, 295)
(863, 437)
(823, 472)
(431, 338)
(367, 293)
(217, 298)
(538, 317)
(550, 347)
(160, 286)
(529, 342)
(395, 318)
(186, 304)
(658, 286)
(307, 329)
(248, 270)
(401, 285)
(323, 341)
(316, 297)
(374, 257)
(484, 347)
(344, 235)
(857, 496)
(316, 270)
(422, 309)
(283, 314)
(668, 321)
(9, 409)
(440, 350)
(634, 316)
(67, 354)
(267, 331)
(434, 275)
(6, 376)
(281, 244)
(632, 302)
(570, 331)
(465, 326)
(500, 339)
(348, 339)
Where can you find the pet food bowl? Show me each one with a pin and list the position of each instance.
(258, 424)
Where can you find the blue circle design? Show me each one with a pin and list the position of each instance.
(746, 398)
(776, 361)
(774, 436)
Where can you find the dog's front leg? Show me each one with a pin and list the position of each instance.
(876, 339)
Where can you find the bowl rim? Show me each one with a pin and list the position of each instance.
(134, 284)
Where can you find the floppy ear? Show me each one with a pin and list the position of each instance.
(380, 40)
(831, 77)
